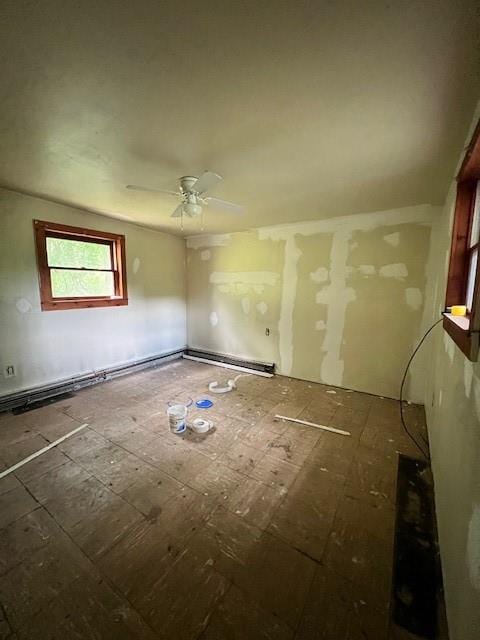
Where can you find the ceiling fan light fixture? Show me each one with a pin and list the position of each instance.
(192, 209)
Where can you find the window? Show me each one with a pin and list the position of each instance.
(463, 285)
(79, 268)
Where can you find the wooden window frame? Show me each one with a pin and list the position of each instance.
(43, 230)
(464, 330)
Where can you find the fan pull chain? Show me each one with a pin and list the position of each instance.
(181, 221)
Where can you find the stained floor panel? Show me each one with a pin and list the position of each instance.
(261, 529)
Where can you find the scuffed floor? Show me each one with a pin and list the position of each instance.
(263, 529)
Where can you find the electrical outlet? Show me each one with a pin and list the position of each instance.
(9, 371)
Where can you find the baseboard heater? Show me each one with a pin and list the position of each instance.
(261, 368)
(39, 394)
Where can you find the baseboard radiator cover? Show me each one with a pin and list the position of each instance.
(69, 385)
(261, 367)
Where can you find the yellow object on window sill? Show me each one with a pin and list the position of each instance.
(458, 310)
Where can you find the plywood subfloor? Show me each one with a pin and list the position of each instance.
(263, 529)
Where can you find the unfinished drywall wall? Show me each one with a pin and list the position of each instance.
(342, 299)
(452, 405)
(52, 345)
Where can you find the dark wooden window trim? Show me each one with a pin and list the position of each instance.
(465, 334)
(42, 230)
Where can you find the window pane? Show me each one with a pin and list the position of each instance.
(471, 279)
(475, 233)
(75, 253)
(70, 284)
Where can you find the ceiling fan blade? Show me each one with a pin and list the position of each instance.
(206, 181)
(136, 187)
(178, 211)
(231, 207)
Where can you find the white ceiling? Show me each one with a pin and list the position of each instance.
(308, 109)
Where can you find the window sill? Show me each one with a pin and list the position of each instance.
(458, 328)
(83, 304)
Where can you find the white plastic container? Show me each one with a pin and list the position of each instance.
(177, 418)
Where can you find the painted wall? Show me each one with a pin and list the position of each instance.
(452, 404)
(51, 345)
(343, 298)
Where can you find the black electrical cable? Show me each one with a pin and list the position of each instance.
(424, 453)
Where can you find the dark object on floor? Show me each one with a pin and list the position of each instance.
(42, 403)
(417, 582)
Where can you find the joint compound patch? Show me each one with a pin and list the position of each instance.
(395, 270)
(213, 318)
(393, 239)
(320, 275)
(473, 547)
(366, 269)
(23, 305)
(320, 325)
(136, 265)
(205, 255)
(246, 305)
(262, 307)
(289, 292)
(413, 297)
(244, 277)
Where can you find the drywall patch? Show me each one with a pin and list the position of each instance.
(393, 239)
(366, 269)
(341, 228)
(23, 305)
(473, 547)
(244, 277)
(320, 275)
(205, 255)
(413, 297)
(336, 296)
(136, 265)
(320, 325)
(289, 292)
(213, 318)
(395, 270)
(262, 307)
(246, 305)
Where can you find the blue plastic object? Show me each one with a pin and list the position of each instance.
(204, 404)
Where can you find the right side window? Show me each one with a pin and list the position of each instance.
(472, 252)
(463, 284)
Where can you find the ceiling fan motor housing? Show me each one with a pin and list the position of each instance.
(186, 183)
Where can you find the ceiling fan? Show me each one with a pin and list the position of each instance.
(192, 192)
